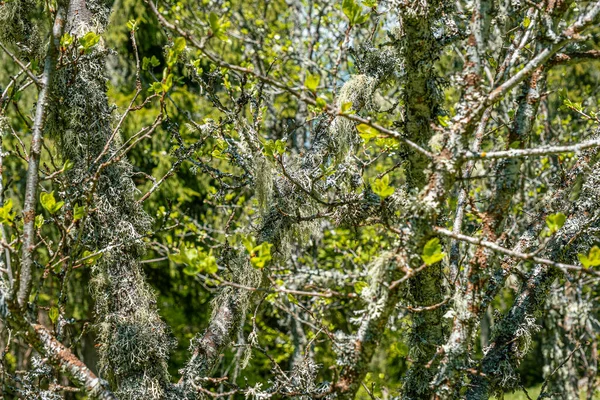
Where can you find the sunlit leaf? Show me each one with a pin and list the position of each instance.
(49, 202)
(432, 252)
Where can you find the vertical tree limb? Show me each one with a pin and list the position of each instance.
(25, 273)
(422, 98)
(504, 353)
(134, 343)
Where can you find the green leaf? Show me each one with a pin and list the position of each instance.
(382, 188)
(312, 82)
(156, 87)
(555, 221)
(321, 102)
(191, 270)
(53, 314)
(132, 25)
(196, 64)
(347, 106)
(292, 299)
(443, 120)
(218, 153)
(150, 62)
(89, 257)
(195, 261)
(367, 132)
(432, 252)
(348, 8)
(171, 59)
(179, 45)
(39, 221)
(213, 20)
(353, 11)
(6, 217)
(261, 255)
(68, 165)
(575, 106)
(361, 19)
(248, 242)
(592, 259)
(49, 202)
(273, 148)
(78, 212)
(168, 83)
(360, 286)
(218, 26)
(210, 264)
(526, 22)
(88, 41)
(66, 40)
(178, 258)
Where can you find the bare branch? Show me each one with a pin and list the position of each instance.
(522, 256)
(540, 151)
(25, 274)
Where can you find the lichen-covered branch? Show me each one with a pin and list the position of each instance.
(133, 343)
(540, 151)
(512, 334)
(57, 354)
(422, 107)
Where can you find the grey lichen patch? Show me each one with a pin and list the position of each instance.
(291, 204)
(133, 341)
(17, 28)
(263, 181)
(229, 312)
(241, 273)
(359, 91)
(376, 294)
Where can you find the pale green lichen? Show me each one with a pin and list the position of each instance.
(263, 181)
(134, 343)
(358, 91)
(18, 29)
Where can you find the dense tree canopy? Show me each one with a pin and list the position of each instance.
(308, 199)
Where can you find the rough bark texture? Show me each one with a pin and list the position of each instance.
(287, 202)
(422, 99)
(133, 341)
(512, 335)
(57, 354)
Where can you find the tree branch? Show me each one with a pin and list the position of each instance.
(522, 256)
(540, 151)
(60, 356)
(25, 274)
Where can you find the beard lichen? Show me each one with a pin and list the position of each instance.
(18, 29)
(134, 343)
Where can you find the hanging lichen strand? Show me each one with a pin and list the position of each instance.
(17, 28)
(133, 341)
(333, 143)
